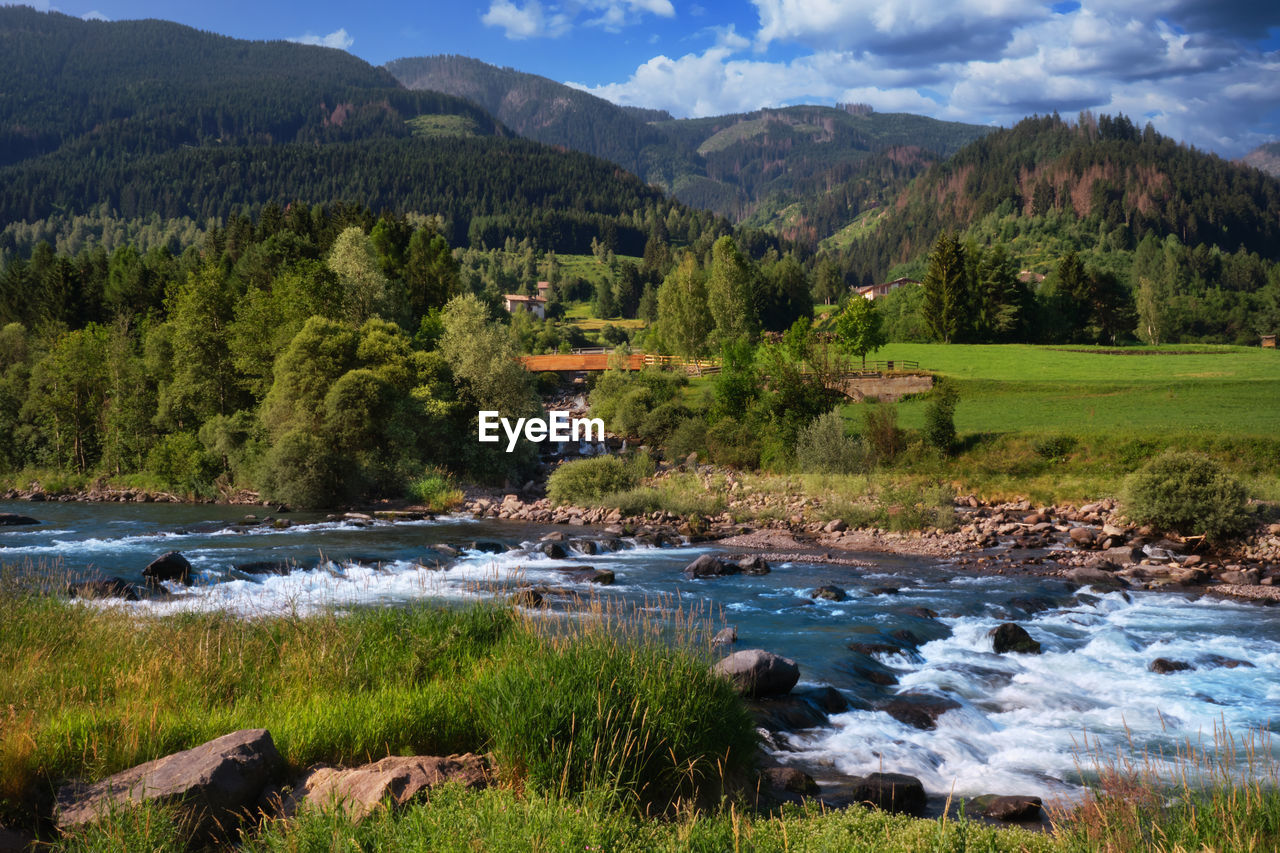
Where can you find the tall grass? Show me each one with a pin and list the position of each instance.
(563, 704)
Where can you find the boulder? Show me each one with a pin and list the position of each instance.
(835, 525)
(789, 779)
(725, 637)
(1091, 577)
(754, 565)
(526, 597)
(12, 519)
(216, 781)
(918, 710)
(1123, 554)
(111, 587)
(891, 792)
(1226, 662)
(1006, 808)
(554, 550)
(589, 574)
(168, 567)
(585, 546)
(884, 590)
(1167, 665)
(395, 780)
(1011, 637)
(1081, 536)
(829, 593)
(755, 672)
(709, 566)
(487, 546)
(1243, 577)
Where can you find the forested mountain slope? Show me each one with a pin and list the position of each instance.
(741, 165)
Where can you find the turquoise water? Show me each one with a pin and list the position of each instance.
(1022, 720)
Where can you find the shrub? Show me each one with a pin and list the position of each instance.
(880, 421)
(689, 436)
(180, 462)
(1186, 493)
(663, 420)
(436, 490)
(823, 448)
(586, 481)
(733, 444)
(1055, 448)
(940, 417)
(548, 383)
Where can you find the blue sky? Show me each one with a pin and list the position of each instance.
(1204, 71)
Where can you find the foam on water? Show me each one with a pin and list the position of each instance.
(1025, 720)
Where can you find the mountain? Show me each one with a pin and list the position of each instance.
(750, 165)
(535, 107)
(1101, 183)
(151, 117)
(1264, 157)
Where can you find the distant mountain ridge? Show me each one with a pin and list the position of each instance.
(1265, 157)
(743, 165)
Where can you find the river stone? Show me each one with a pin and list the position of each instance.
(725, 637)
(585, 546)
(1226, 662)
(709, 566)
(216, 780)
(11, 519)
(829, 593)
(1007, 808)
(267, 567)
(1011, 637)
(1091, 577)
(755, 672)
(1123, 554)
(918, 710)
(1081, 536)
(754, 565)
(526, 597)
(395, 780)
(789, 779)
(1167, 665)
(891, 792)
(112, 587)
(1245, 577)
(589, 574)
(168, 567)
(487, 546)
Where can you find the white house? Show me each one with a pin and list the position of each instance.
(535, 305)
(877, 291)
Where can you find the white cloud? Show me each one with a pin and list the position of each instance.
(534, 20)
(95, 15)
(989, 62)
(338, 38)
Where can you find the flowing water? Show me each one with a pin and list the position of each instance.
(1022, 720)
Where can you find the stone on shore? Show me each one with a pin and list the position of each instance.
(710, 566)
(890, 792)
(216, 781)
(171, 566)
(396, 780)
(1092, 577)
(1006, 808)
(1011, 637)
(756, 673)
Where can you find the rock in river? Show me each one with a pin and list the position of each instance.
(755, 672)
(10, 519)
(111, 587)
(168, 567)
(891, 792)
(710, 566)
(1011, 637)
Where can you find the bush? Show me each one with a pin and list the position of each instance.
(661, 422)
(1186, 493)
(548, 383)
(940, 417)
(1055, 448)
(586, 481)
(180, 462)
(689, 436)
(881, 423)
(435, 490)
(733, 444)
(823, 448)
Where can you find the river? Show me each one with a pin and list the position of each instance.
(1022, 720)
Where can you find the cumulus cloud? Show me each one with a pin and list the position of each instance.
(338, 38)
(95, 15)
(1191, 67)
(534, 20)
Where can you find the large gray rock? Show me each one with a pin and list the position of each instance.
(755, 672)
(395, 780)
(710, 566)
(1011, 637)
(216, 780)
(171, 566)
(890, 792)
(11, 519)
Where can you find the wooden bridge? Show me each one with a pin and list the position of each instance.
(598, 359)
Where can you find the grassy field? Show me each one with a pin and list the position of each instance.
(1231, 391)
